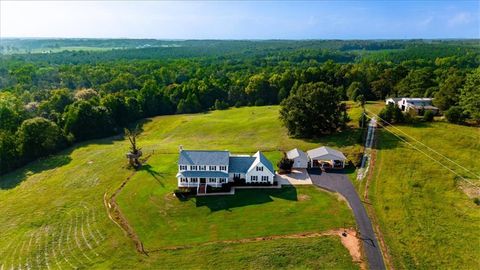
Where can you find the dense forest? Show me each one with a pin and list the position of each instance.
(50, 100)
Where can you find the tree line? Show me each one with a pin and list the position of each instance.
(48, 102)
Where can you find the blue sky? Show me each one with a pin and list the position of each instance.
(242, 20)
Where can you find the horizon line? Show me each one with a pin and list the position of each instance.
(242, 39)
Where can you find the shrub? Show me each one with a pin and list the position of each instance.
(285, 164)
(455, 115)
(386, 114)
(259, 102)
(398, 116)
(220, 105)
(428, 116)
(238, 104)
(476, 201)
(355, 157)
(410, 119)
(392, 114)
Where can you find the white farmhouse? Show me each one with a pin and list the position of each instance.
(416, 104)
(300, 158)
(199, 168)
(393, 101)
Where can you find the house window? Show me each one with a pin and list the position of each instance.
(193, 180)
(213, 168)
(223, 168)
(259, 169)
(183, 167)
(253, 178)
(212, 180)
(183, 180)
(223, 180)
(193, 167)
(202, 168)
(264, 178)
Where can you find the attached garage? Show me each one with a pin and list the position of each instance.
(326, 157)
(300, 158)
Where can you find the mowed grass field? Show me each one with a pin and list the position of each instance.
(427, 221)
(52, 213)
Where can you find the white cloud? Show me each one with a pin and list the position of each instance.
(460, 19)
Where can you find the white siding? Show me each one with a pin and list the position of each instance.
(258, 174)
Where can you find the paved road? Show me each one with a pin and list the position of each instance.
(340, 183)
(362, 171)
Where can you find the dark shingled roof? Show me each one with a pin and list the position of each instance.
(240, 164)
(203, 157)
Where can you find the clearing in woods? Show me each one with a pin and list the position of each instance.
(53, 215)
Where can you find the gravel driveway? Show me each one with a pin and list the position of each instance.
(340, 183)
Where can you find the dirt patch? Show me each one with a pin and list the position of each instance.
(116, 215)
(303, 197)
(470, 190)
(351, 242)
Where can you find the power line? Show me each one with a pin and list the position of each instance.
(433, 150)
(416, 148)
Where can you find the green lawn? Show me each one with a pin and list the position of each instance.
(163, 220)
(428, 222)
(312, 253)
(52, 212)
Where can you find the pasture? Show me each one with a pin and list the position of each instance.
(53, 213)
(427, 221)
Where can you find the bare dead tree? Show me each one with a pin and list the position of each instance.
(135, 152)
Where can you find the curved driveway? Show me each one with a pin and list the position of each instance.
(340, 183)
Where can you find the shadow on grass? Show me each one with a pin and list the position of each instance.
(14, 178)
(348, 137)
(246, 197)
(156, 175)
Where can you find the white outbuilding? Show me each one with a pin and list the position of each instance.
(300, 158)
(326, 156)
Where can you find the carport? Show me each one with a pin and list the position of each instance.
(326, 157)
